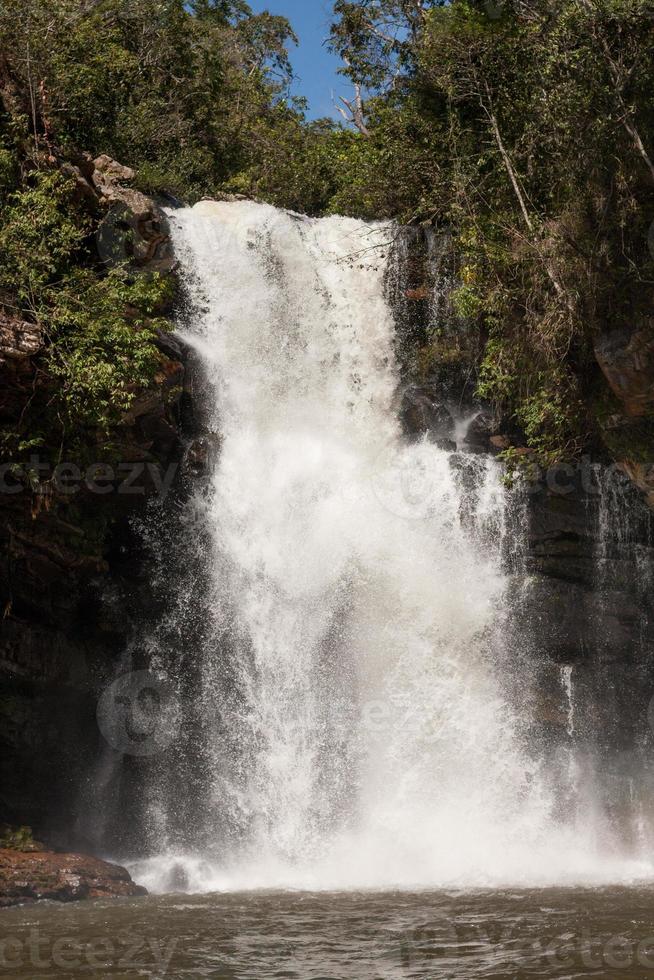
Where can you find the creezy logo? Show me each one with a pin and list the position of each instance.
(138, 714)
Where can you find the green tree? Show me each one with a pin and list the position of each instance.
(528, 130)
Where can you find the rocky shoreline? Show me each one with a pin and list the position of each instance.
(39, 875)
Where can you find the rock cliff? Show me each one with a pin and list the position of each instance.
(67, 550)
(73, 570)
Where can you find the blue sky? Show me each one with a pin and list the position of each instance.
(313, 64)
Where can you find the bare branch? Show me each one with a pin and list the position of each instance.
(488, 109)
(355, 114)
(627, 120)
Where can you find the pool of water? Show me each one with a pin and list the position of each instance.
(563, 933)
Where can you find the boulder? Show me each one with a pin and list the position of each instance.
(37, 875)
(201, 454)
(83, 177)
(423, 413)
(479, 432)
(107, 170)
(135, 228)
(19, 340)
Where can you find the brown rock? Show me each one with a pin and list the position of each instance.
(628, 365)
(30, 877)
(109, 171)
(135, 228)
(84, 184)
(422, 292)
(107, 178)
(18, 340)
(642, 474)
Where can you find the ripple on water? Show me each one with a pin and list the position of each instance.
(491, 935)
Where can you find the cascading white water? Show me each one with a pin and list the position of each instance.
(358, 728)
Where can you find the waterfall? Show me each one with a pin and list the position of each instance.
(360, 719)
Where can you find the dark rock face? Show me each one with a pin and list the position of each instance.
(627, 361)
(73, 584)
(35, 876)
(590, 549)
(581, 595)
(74, 581)
(584, 609)
(71, 575)
(422, 412)
(480, 433)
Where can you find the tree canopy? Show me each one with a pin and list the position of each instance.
(526, 128)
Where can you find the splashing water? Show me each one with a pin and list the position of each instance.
(566, 680)
(357, 726)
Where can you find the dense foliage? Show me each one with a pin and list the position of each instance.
(193, 97)
(525, 127)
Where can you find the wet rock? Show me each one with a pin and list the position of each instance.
(35, 876)
(422, 413)
(570, 622)
(170, 345)
(582, 598)
(223, 197)
(478, 434)
(200, 455)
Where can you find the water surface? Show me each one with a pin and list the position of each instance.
(562, 933)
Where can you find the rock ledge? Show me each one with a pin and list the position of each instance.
(33, 876)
